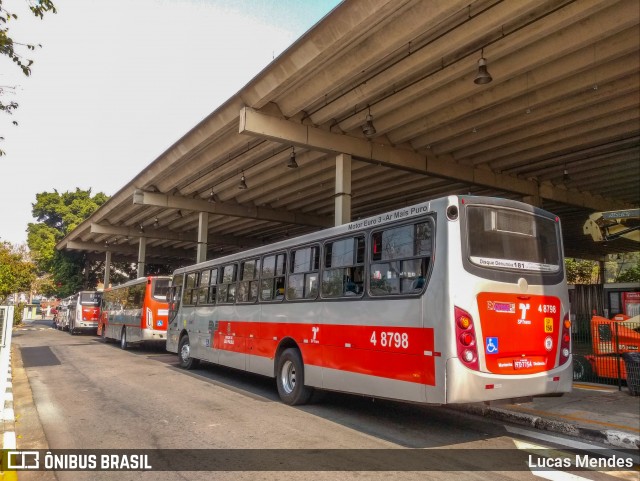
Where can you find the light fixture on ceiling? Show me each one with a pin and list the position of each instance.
(156, 223)
(213, 198)
(368, 129)
(483, 76)
(141, 228)
(243, 182)
(565, 175)
(292, 164)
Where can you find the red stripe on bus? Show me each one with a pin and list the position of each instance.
(390, 352)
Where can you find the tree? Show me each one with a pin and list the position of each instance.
(580, 271)
(14, 50)
(57, 215)
(17, 273)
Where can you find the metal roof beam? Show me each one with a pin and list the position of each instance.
(141, 197)
(130, 250)
(281, 130)
(164, 234)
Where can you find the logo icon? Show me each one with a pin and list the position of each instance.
(23, 459)
(491, 345)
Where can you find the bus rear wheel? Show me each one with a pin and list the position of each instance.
(123, 339)
(184, 354)
(290, 378)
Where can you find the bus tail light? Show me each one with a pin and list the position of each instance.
(565, 340)
(466, 339)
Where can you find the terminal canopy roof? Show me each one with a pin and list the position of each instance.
(558, 127)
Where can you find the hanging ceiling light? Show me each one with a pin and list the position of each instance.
(483, 76)
(156, 223)
(213, 198)
(243, 183)
(292, 164)
(565, 175)
(368, 129)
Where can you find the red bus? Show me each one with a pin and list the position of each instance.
(136, 311)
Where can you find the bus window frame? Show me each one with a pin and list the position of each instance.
(234, 283)
(274, 298)
(323, 268)
(255, 280)
(428, 259)
(289, 267)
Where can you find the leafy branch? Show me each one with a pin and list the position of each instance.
(12, 49)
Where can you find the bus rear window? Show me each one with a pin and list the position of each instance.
(161, 289)
(503, 238)
(90, 298)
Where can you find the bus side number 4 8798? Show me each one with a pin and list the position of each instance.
(391, 339)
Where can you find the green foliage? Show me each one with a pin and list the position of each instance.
(580, 271)
(64, 212)
(16, 271)
(14, 49)
(632, 274)
(623, 267)
(57, 215)
(17, 313)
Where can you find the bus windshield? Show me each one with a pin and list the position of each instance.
(90, 298)
(504, 238)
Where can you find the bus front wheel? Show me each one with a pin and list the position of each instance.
(184, 354)
(290, 378)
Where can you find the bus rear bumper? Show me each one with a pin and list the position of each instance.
(466, 386)
(151, 335)
(86, 326)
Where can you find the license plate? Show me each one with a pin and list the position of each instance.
(522, 363)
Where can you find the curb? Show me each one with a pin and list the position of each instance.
(618, 439)
(9, 441)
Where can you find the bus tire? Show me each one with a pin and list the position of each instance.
(184, 354)
(290, 378)
(582, 370)
(123, 339)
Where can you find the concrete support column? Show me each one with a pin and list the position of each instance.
(203, 232)
(142, 248)
(343, 189)
(107, 269)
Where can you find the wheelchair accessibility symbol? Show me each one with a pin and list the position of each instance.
(491, 344)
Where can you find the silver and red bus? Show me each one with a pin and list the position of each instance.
(83, 316)
(454, 300)
(136, 311)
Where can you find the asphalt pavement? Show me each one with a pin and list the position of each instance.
(595, 412)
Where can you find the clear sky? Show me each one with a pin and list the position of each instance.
(117, 82)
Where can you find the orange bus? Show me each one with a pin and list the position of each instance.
(136, 312)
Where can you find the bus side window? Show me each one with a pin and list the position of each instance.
(203, 287)
(343, 269)
(248, 285)
(400, 259)
(188, 297)
(272, 277)
(302, 281)
(213, 280)
(227, 286)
